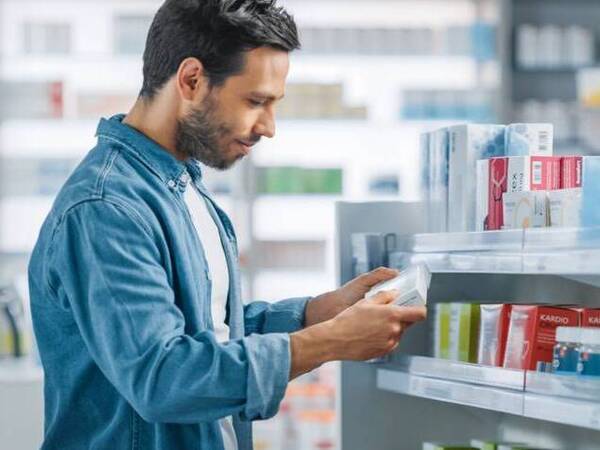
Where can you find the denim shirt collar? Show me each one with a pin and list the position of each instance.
(157, 158)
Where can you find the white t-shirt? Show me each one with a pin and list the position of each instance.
(208, 234)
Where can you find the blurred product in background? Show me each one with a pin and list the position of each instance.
(318, 101)
(459, 105)
(551, 46)
(15, 340)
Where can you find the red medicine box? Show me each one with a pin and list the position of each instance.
(518, 174)
(532, 334)
(571, 172)
(590, 318)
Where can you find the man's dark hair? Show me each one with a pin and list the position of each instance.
(217, 32)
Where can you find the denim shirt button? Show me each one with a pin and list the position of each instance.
(171, 184)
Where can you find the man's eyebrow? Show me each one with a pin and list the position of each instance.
(266, 96)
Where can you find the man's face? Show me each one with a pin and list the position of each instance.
(225, 124)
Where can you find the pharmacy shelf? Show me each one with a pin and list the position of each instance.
(566, 386)
(532, 251)
(462, 372)
(464, 384)
(563, 399)
(548, 397)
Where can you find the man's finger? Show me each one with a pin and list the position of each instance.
(410, 314)
(378, 275)
(385, 297)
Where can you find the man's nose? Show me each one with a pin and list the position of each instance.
(266, 125)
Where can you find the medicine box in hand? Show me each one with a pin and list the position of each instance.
(412, 284)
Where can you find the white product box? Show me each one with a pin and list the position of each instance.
(527, 209)
(530, 139)
(413, 284)
(467, 145)
(565, 207)
(438, 181)
(483, 181)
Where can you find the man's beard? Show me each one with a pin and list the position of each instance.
(198, 136)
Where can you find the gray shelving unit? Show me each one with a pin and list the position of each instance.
(411, 399)
(542, 84)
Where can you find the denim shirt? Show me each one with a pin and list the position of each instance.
(120, 298)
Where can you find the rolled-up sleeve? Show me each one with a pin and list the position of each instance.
(285, 316)
(106, 268)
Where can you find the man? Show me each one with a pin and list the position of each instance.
(134, 280)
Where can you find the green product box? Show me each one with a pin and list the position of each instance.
(464, 331)
(437, 446)
(313, 181)
(280, 180)
(441, 334)
(334, 181)
(289, 181)
(322, 181)
(297, 180)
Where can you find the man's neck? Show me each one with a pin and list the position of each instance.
(155, 121)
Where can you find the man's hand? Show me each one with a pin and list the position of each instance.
(329, 305)
(368, 329)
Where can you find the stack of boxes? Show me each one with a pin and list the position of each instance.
(494, 177)
(502, 335)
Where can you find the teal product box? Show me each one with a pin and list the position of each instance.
(438, 181)
(590, 212)
(467, 145)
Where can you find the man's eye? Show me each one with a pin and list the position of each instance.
(256, 103)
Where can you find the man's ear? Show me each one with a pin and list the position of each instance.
(191, 80)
